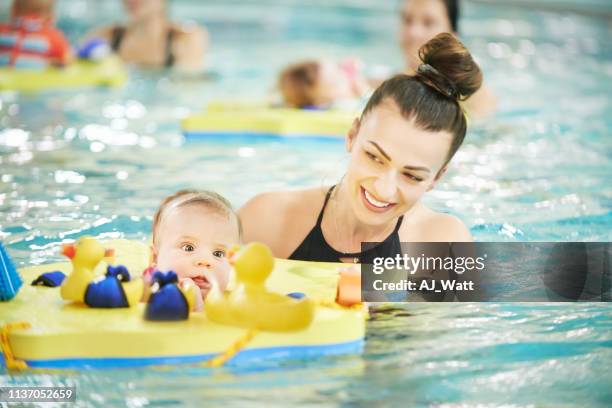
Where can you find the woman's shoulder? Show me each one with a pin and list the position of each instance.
(426, 225)
(482, 104)
(279, 218)
(190, 44)
(281, 202)
(190, 34)
(188, 29)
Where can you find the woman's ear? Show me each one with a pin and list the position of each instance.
(351, 136)
(437, 178)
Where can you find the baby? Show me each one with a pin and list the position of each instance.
(322, 84)
(193, 232)
(30, 40)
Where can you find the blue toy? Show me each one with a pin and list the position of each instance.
(94, 49)
(10, 281)
(109, 291)
(168, 300)
(50, 279)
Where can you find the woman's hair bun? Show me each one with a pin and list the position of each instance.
(449, 67)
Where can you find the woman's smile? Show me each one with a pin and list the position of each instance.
(374, 204)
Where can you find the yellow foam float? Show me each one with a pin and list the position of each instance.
(39, 329)
(243, 120)
(83, 73)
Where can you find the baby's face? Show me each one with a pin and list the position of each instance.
(193, 241)
(334, 84)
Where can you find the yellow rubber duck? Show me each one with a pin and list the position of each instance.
(85, 255)
(251, 305)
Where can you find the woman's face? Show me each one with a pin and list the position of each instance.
(393, 163)
(140, 9)
(421, 20)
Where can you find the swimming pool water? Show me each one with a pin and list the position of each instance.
(98, 162)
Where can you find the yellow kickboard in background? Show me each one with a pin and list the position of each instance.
(108, 72)
(227, 118)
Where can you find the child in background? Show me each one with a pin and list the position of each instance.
(30, 40)
(318, 84)
(192, 234)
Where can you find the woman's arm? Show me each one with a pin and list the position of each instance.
(190, 48)
(435, 227)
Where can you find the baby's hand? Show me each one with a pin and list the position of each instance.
(188, 285)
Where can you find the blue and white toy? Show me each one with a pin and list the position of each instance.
(10, 281)
(94, 49)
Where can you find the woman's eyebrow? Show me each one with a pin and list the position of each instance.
(421, 168)
(380, 150)
(418, 168)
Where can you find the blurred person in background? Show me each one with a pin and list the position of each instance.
(30, 39)
(421, 20)
(150, 38)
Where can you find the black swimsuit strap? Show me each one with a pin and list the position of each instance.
(399, 224)
(169, 61)
(327, 196)
(116, 37)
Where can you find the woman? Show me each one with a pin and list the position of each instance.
(149, 38)
(399, 148)
(421, 20)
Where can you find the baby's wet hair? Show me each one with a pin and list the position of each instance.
(208, 199)
(297, 83)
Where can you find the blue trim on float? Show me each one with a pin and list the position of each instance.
(245, 356)
(248, 136)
